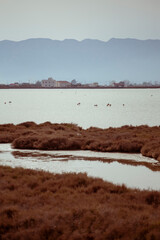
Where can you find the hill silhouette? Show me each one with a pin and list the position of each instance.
(86, 61)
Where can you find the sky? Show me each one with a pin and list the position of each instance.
(79, 19)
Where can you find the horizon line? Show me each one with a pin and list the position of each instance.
(67, 39)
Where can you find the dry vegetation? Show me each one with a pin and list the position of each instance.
(40, 205)
(48, 136)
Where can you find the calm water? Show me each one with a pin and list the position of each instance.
(141, 106)
(128, 107)
(77, 161)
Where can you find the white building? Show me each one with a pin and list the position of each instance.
(63, 84)
(50, 82)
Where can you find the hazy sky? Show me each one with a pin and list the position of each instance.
(79, 19)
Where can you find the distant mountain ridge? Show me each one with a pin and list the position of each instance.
(86, 61)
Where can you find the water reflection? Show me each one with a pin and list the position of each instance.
(130, 169)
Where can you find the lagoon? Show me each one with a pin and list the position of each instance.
(128, 106)
(85, 107)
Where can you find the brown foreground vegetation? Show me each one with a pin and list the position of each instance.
(47, 136)
(41, 205)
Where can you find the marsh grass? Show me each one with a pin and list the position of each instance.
(40, 205)
(47, 136)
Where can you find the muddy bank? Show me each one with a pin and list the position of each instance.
(40, 205)
(47, 136)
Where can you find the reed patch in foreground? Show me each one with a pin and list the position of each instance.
(40, 205)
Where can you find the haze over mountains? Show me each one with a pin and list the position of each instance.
(86, 61)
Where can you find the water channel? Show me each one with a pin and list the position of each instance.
(133, 170)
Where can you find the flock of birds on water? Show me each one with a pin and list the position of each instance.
(96, 105)
(8, 102)
(78, 104)
(107, 105)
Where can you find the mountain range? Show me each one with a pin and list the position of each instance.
(86, 61)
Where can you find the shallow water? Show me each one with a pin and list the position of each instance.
(78, 161)
(128, 107)
(141, 106)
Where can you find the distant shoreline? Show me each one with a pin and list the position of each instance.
(138, 87)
